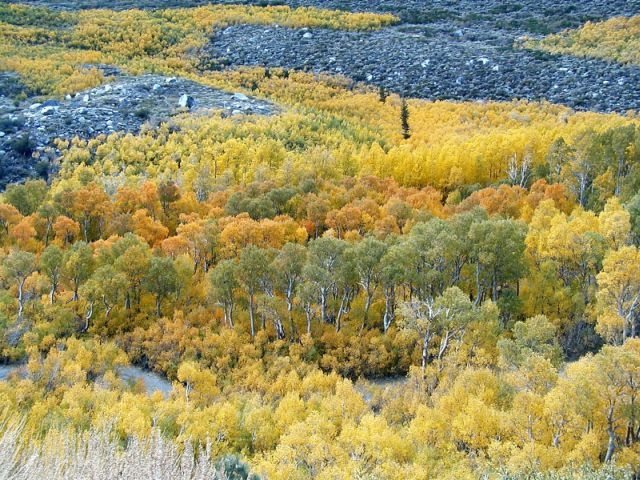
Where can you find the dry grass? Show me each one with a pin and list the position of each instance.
(95, 456)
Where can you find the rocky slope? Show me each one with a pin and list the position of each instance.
(525, 15)
(28, 128)
(441, 61)
(443, 49)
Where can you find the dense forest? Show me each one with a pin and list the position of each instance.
(358, 286)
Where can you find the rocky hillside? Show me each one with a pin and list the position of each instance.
(124, 105)
(441, 61)
(542, 16)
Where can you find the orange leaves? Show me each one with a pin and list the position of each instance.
(23, 233)
(241, 231)
(66, 230)
(348, 218)
(517, 202)
(9, 215)
(146, 227)
(174, 246)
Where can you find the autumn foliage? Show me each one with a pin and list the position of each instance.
(328, 297)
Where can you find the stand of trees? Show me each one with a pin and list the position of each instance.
(486, 255)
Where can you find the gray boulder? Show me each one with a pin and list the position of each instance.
(186, 101)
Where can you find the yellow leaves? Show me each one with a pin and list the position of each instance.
(219, 423)
(309, 444)
(430, 426)
(628, 457)
(290, 410)
(615, 223)
(199, 384)
(532, 458)
(610, 326)
(207, 17)
(476, 425)
(52, 60)
(614, 39)
(345, 403)
(373, 440)
(618, 295)
(52, 70)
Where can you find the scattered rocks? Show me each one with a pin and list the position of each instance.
(28, 128)
(428, 62)
(186, 101)
(540, 16)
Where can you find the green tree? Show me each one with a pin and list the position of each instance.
(77, 265)
(51, 262)
(367, 257)
(394, 266)
(535, 336)
(131, 255)
(253, 269)
(18, 266)
(161, 280)
(27, 197)
(324, 257)
(404, 120)
(223, 281)
(108, 286)
(497, 255)
(287, 271)
(445, 318)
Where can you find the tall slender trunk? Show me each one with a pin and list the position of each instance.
(610, 446)
(21, 297)
(323, 305)
(47, 232)
(425, 350)
(290, 316)
(308, 311)
(367, 306)
(478, 299)
(344, 306)
(279, 328)
(52, 293)
(87, 317)
(85, 229)
(612, 435)
(389, 308)
(251, 317)
(107, 307)
(229, 314)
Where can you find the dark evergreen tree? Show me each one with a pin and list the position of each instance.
(383, 94)
(404, 119)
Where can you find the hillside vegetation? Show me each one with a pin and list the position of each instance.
(616, 39)
(53, 51)
(359, 286)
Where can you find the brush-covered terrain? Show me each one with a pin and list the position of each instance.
(333, 240)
